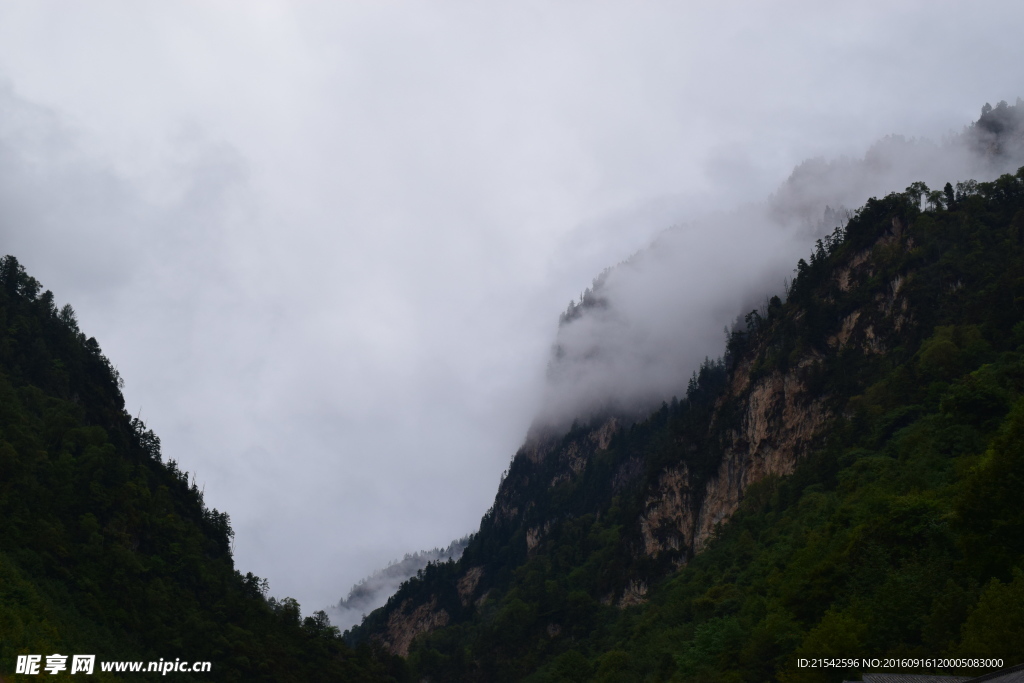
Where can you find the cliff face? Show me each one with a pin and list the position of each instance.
(409, 621)
(782, 416)
(781, 419)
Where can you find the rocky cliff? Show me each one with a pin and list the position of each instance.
(782, 414)
(749, 417)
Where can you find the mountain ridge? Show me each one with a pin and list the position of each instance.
(600, 517)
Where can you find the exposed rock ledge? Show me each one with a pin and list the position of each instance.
(403, 625)
(778, 425)
(781, 421)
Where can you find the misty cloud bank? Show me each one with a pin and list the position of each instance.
(374, 590)
(635, 337)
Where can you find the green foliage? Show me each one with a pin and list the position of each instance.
(988, 508)
(995, 627)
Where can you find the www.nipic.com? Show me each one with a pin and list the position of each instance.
(86, 664)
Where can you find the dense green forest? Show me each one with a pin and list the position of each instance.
(899, 533)
(104, 548)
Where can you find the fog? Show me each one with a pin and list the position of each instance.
(374, 590)
(637, 334)
(327, 244)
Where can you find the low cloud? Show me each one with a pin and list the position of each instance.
(633, 339)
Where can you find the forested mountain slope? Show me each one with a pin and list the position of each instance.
(107, 550)
(845, 482)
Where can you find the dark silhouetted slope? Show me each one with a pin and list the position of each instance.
(107, 550)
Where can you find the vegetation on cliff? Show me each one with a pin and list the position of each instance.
(893, 530)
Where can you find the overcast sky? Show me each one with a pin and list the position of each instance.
(326, 244)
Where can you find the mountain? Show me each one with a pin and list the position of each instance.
(842, 482)
(106, 549)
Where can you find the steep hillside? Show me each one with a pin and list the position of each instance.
(842, 482)
(104, 548)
